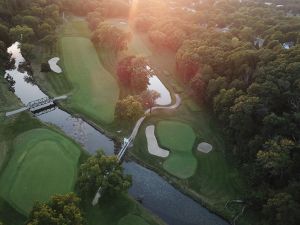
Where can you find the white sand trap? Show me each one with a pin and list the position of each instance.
(153, 147)
(204, 147)
(53, 65)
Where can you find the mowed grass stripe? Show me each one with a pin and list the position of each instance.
(95, 89)
(43, 163)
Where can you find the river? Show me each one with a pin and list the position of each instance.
(157, 195)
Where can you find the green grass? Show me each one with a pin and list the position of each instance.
(76, 27)
(119, 210)
(8, 102)
(132, 220)
(44, 163)
(95, 90)
(179, 138)
(216, 180)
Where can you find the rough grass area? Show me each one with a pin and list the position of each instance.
(44, 163)
(119, 210)
(179, 138)
(95, 90)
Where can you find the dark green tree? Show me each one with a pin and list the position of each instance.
(102, 171)
(61, 209)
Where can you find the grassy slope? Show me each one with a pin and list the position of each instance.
(8, 101)
(94, 87)
(44, 163)
(83, 77)
(115, 210)
(179, 138)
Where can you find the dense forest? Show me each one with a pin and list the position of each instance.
(239, 58)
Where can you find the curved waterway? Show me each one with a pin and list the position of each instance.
(157, 195)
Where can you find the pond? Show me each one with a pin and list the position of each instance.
(156, 85)
(157, 195)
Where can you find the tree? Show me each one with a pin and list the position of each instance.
(31, 21)
(62, 209)
(102, 171)
(275, 158)
(223, 102)
(198, 86)
(214, 86)
(4, 57)
(132, 72)
(27, 50)
(129, 109)
(49, 41)
(4, 33)
(111, 37)
(281, 209)
(21, 32)
(148, 98)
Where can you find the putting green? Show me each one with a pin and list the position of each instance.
(95, 90)
(43, 163)
(179, 138)
(132, 220)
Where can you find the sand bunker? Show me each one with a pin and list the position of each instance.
(204, 147)
(53, 65)
(153, 147)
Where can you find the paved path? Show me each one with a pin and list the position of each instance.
(141, 120)
(133, 135)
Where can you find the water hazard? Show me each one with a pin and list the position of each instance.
(156, 194)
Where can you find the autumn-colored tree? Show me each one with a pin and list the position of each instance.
(132, 72)
(129, 109)
(111, 37)
(148, 98)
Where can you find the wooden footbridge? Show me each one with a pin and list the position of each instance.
(37, 105)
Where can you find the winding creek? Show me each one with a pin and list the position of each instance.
(157, 195)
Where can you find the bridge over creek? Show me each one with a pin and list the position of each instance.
(128, 141)
(37, 105)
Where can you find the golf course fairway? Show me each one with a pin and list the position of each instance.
(179, 138)
(43, 163)
(95, 90)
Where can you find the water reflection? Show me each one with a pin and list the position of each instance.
(167, 202)
(156, 85)
(76, 128)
